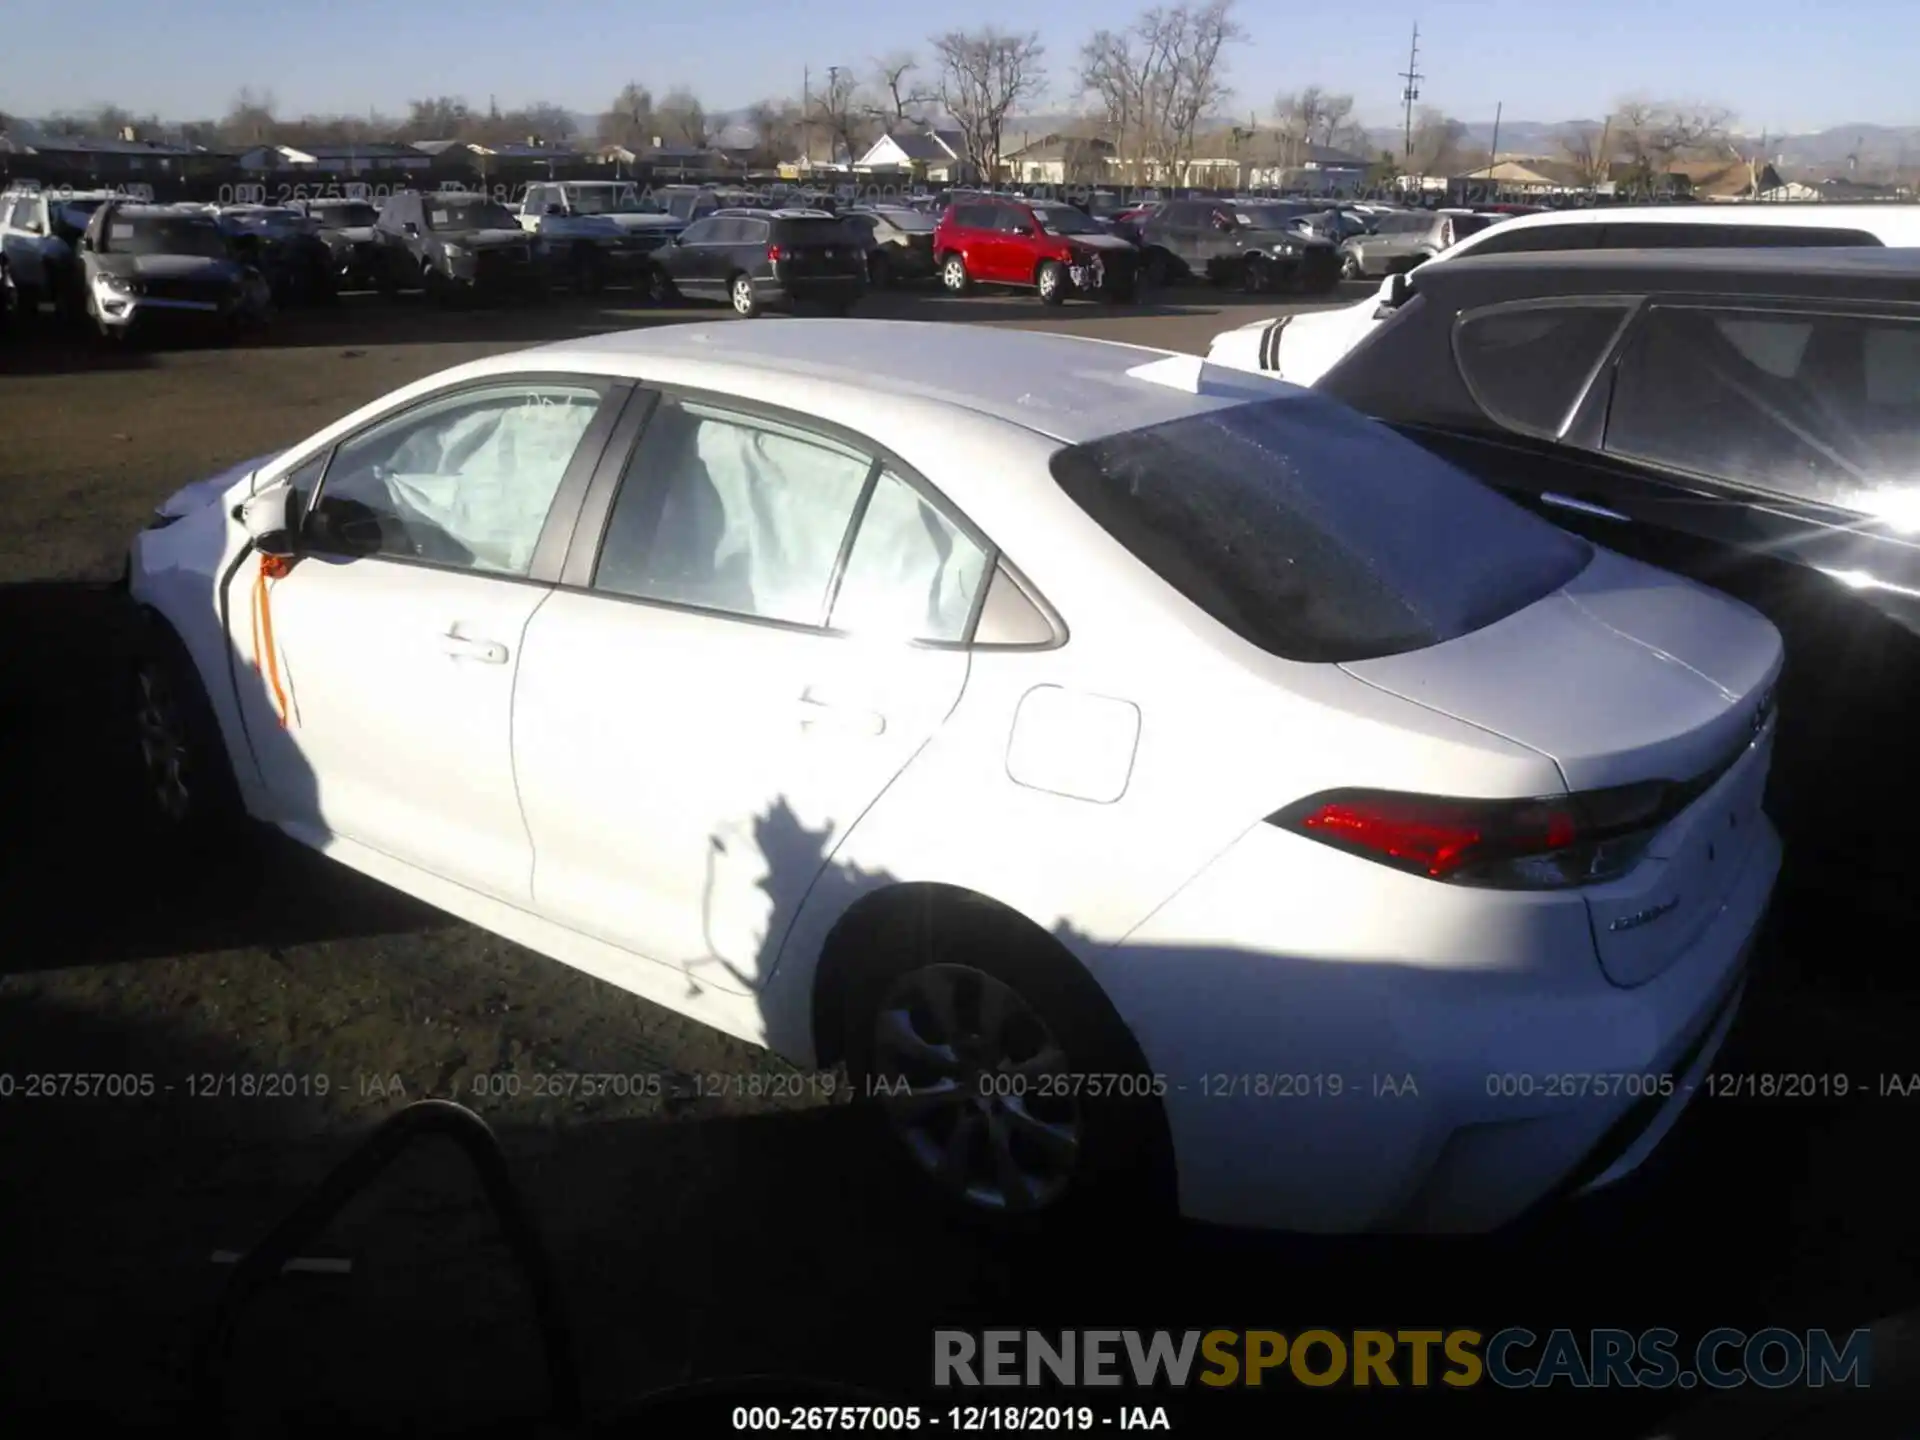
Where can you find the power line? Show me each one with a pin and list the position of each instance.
(1411, 93)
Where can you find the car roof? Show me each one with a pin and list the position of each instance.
(1890, 224)
(1069, 388)
(1888, 272)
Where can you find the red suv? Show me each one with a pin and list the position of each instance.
(1049, 248)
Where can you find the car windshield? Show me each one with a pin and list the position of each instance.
(164, 235)
(1271, 217)
(277, 222)
(610, 200)
(913, 220)
(465, 214)
(74, 214)
(340, 217)
(1064, 220)
(1315, 533)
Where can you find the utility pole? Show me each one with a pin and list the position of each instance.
(1413, 77)
(833, 120)
(1493, 155)
(806, 118)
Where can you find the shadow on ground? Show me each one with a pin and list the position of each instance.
(83, 883)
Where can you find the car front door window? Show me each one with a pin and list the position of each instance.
(466, 480)
(1527, 366)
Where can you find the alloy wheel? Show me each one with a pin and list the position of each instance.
(164, 748)
(955, 274)
(972, 1081)
(743, 296)
(1349, 267)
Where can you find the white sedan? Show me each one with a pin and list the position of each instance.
(1148, 780)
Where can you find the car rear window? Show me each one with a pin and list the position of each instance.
(1315, 533)
(821, 231)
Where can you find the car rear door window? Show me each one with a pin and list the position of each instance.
(732, 512)
(1315, 533)
(913, 574)
(1823, 407)
(1527, 366)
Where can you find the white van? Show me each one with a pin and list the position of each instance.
(1301, 348)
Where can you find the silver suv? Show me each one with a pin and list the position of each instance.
(40, 232)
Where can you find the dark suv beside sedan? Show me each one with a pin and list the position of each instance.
(759, 260)
(1261, 245)
(455, 245)
(346, 229)
(1053, 250)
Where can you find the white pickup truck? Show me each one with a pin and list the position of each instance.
(596, 232)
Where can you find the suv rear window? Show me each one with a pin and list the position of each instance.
(821, 231)
(1315, 533)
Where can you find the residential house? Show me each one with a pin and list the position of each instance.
(1791, 191)
(364, 159)
(1723, 179)
(1061, 160)
(1528, 175)
(932, 154)
(463, 160)
(127, 159)
(1281, 162)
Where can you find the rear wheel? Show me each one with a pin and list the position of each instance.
(1158, 272)
(746, 304)
(953, 275)
(1351, 268)
(659, 287)
(589, 274)
(1052, 283)
(1256, 276)
(958, 1025)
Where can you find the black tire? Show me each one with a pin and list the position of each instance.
(589, 271)
(1351, 268)
(1256, 276)
(1123, 1162)
(660, 288)
(954, 278)
(1052, 282)
(191, 799)
(880, 272)
(385, 280)
(1157, 272)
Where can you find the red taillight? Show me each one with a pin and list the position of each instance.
(1545, 843)
(775, 254)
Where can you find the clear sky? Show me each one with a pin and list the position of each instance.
(1781, 65)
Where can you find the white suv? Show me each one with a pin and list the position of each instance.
(39, 234)
(1301, 348)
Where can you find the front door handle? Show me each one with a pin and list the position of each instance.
(1585, 507)
(820, 715)
(487, 652)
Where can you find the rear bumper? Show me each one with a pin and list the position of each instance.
(1322, 1080)
(809, 290)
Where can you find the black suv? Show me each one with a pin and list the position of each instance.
(454, 244)
(284, 245)
(346, 229)
(769, 259)
(1262, 245)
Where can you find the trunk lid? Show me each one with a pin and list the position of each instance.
(1626, 675)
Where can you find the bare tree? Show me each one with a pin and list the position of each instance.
(1438, 144)
(1315, 116)
(628, 122)
(1160, 78)
(1654, 135)
(841, 110)
(1589, 149)
(984, 74)
(776, 127)
(898, 98)
(683, 120)
(553, 123)
(439, 117)
(250, 119)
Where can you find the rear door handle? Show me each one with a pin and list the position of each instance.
(1585, 507)
(487, 652)
(820, 715)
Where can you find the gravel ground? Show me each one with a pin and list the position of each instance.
(696, 1234)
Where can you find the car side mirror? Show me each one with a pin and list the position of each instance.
(269, 520)
(1395, 291)
(411, 228)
